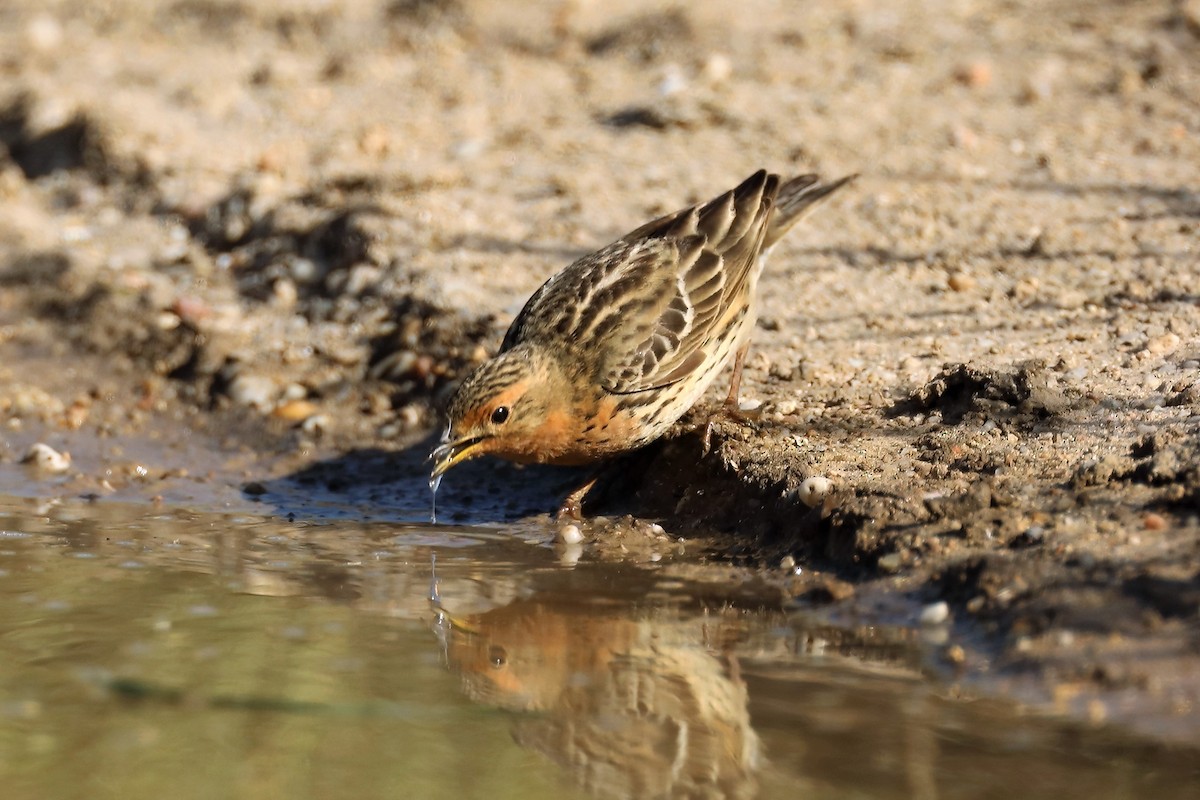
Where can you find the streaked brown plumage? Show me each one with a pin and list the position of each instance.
(616, 347)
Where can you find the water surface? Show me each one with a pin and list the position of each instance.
(150, 653)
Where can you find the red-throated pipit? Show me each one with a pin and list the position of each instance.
(615, 348)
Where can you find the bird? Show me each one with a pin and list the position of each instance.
(612, 350)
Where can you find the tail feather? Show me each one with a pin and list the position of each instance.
(796, 198)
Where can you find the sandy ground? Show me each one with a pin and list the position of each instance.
(255, 243)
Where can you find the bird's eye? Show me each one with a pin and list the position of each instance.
(498, 656)
(500, 415)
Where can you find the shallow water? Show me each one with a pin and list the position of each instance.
(148, 653)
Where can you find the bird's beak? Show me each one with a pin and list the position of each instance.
(449, 453)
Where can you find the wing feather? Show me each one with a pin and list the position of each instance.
(644, 309)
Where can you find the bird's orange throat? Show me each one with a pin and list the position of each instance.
(568, 435)
(544, 443)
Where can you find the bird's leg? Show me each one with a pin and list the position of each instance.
(732, 401)
(732, 405)
(572, 506)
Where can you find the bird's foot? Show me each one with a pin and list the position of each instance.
(728, 410)
(571, 509)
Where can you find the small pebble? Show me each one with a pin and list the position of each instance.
(44, 33)
(256, 391)
(191, 309)
(955, 654)
(935, 613)
(788, 563)
(409, 416)
(717, 68)
(976, 74)
(45, 458)
(316, 425)
(892, 562)
(1161, 345)
(295, 411)
(569, 534)
(961, 282)
(813, 490)
(570, 555)
(1154, 522)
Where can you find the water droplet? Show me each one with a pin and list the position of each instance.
(434, 483)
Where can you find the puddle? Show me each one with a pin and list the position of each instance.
(263, 658)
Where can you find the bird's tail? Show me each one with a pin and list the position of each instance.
(796, 198)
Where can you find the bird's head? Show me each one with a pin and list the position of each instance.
(501, 408)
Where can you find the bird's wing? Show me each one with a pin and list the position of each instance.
(716, 248)
(643, 309)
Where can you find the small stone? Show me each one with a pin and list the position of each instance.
(570, 554)
(955, 654)
(813, 490)
(717, 68)
(409, 416)
(166, 321)
(316, 425)
(76, 414)
(191, 309)
(787, 408)
(44, 33)
(254, 488)
(935, 613)
(256, 391)
(787, 563)
(976, 74)
(285, 293)
(1154, 522)
(304, 270)
(963, 137)
(45, 458)
(1035, 534)
(961, 282)
(375, 141)
(569, 534)
(1161, 345)
(295, 411)
(1038, 85)
(891, 563)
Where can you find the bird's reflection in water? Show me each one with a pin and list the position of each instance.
(632, 707)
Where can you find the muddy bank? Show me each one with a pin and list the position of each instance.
(245, 250)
